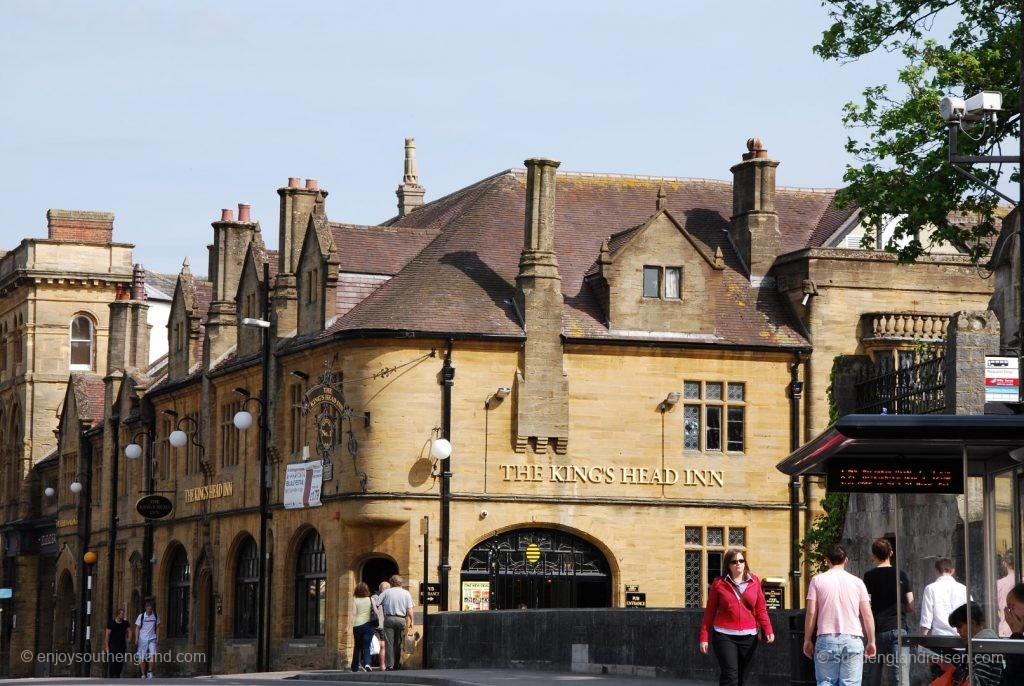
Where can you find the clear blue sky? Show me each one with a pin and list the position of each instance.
(165, 112)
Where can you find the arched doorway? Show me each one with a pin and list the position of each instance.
(377, 569)
(538, 568)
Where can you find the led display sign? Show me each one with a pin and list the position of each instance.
(940, 475)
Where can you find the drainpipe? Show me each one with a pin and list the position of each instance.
(796, 388)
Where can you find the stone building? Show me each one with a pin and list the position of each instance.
(615, 360)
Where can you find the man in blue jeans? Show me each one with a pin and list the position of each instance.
(884, 591)
(839, 611)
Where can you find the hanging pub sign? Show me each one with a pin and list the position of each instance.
(154, 506)
(326, 400)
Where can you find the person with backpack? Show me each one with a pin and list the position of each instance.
(146, 626)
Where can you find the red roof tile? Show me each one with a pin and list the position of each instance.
(89, 396)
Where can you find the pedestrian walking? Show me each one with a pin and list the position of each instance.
(887, 593)
(146, 626)
(115, 642)
(735, 615)
(362, 617)
(839, 611)
(396, 602)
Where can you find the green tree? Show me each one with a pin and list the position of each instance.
(899, 140)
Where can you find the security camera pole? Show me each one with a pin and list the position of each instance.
(985, 107)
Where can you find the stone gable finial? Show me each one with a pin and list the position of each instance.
(660, 204)
(719, 258)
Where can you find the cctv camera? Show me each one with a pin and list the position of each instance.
(952, 108)
(984, 103)
(483, 514)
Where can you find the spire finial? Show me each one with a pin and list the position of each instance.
(660, 204)
(411, 176)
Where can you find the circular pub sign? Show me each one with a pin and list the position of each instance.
(154, 506)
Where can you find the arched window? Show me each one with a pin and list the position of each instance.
(178, 595)
(81, 342)
(311, 586)
(247, 577)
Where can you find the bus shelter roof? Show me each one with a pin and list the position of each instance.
(989, 442)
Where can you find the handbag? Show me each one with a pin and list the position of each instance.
(739, 596)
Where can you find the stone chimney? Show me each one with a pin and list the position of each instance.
(80, 227)
(128, 334)
(410, 193)
(754, 228)
(297, 204)
(542, 388)
(231, 239)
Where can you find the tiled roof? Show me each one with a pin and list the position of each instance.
(89, 396)
(162, 283)
(464, 280)
(378, 249)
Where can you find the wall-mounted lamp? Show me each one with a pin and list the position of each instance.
(670, 400)
(299, 374)
(179, 439)
(243, 418)
(440, 449)
(75, 487)
(810, 290)
(49, 492)
(498, 396)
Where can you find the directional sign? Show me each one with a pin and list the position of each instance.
(430, 594)
(636, 600)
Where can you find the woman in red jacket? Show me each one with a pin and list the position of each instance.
(735, 611)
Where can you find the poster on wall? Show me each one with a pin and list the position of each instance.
(476, 595)
(302, 484)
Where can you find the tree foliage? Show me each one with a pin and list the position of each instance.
(898, 138)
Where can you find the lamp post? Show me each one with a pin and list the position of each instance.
(243, 420)
(441, 449)
(134, 451)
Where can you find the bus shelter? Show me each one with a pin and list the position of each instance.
(976, 459)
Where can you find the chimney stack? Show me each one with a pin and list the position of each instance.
(76, 226)
(754, 226)
(410, 193)
(297, 204)
(542, 388)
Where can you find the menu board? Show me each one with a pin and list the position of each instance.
(476, 595)
(939, 475)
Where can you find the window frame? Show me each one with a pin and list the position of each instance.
(179, 583)
(311, 574)
(246, 590)
(716, 436)
(72, 341)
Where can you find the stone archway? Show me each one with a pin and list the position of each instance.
(536, 568)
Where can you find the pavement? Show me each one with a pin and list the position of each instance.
(411, 677)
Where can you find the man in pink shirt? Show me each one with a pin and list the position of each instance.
(839, 611)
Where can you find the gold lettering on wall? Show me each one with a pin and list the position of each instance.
(210, 492)
(561, 473)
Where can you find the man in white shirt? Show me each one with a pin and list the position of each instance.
(940, 598)
(396, 602)
(146, 626)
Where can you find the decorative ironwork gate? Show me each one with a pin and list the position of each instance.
(540, 568)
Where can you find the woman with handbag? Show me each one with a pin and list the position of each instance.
(735, 613)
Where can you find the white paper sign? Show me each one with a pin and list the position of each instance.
(302, 484)
(1002, 379)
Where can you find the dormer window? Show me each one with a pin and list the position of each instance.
(663, 282)
(81, 342)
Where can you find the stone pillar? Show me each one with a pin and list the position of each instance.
(845, 370)
(970, 336)
(542, 388)
(754, 226)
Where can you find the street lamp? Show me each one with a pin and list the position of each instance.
(134, 451)
(441, 449)
(179, 438)
(242, 421)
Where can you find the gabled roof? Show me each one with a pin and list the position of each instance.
(463, 281)
(89, 397)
